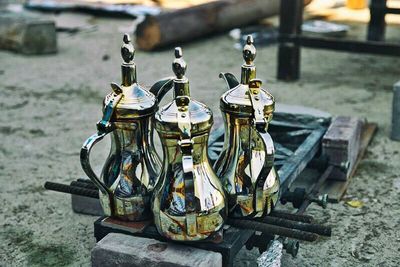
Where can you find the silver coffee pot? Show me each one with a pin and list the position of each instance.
(188, 201)
(246, 163)
(132, 166)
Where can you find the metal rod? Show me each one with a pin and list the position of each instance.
(370, 47)
(84, 185)
(86, 181)
(290, 21)
(314, 189)
(307, 227)
(71, 190)
(377, 24)
(273, 229)
(293, 217)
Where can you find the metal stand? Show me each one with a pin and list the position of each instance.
(290, 38)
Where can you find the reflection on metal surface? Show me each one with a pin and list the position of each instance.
(132, 167)
(188, 200)
(246, 163)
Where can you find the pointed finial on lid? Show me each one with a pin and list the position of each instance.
(249, 51)
(179, 65)
(127, 50)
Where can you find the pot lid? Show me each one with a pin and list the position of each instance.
(237, 100)
(183, 109)
(135, 101)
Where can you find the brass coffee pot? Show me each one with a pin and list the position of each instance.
(132, 167)
(246, 163)
(188, 200)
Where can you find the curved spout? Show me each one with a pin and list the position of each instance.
(161, 87)
(230, 79)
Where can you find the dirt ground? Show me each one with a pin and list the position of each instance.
(50, 105)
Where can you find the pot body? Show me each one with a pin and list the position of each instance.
(245, 168)
(189, 203)
(130, 171)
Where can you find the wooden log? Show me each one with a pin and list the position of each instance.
(194, 22)
(27, 34)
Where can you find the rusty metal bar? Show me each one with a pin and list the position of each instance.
(293, 217)
(307, 227)
(273, 229)
(84, 185)
(71, 190)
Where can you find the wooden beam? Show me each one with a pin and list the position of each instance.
(186, 24)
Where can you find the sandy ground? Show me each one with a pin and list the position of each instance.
(50, 105)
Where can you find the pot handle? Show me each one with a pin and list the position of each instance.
(104, 126)
(260, 124)
(85, 160)
(186, 146)
(162, 87)
(230, 79)
(267, 167)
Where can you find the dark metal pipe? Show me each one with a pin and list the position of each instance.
(86, 181)
(307, 227)
(84, 185)
(293, 217)
(72, 190)
(272, 229)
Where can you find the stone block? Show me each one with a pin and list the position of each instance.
(27, 34)
(130, 251)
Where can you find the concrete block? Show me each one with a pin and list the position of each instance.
(86, 205)
(27, 34)
(341, 144)
(395, 133)
(130, 251)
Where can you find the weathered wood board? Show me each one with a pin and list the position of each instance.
(341, 144)
(336, 189)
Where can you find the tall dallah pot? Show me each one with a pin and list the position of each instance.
(188, 201)
(246, 163)
(132, 166)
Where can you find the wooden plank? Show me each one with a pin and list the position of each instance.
(336, 189)
(341, 145)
